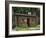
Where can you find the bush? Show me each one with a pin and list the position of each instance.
(23, 25)
(33, 24)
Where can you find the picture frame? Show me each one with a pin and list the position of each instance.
(9, 22)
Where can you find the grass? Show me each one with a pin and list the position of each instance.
(24, 27)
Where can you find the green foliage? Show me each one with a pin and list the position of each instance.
(22, 25)
(24, 10)
(21, 10)
(34, 24)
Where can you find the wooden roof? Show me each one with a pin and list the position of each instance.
(27, 15)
